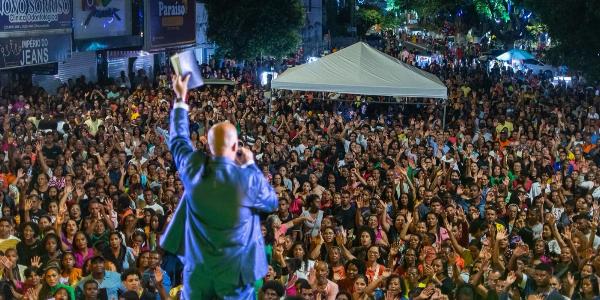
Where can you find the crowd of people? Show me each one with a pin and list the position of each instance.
(376, 201)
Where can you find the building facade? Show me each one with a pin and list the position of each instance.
(312, 32)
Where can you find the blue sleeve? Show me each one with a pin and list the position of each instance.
(180, 143)
(265, 198)
(167, 284)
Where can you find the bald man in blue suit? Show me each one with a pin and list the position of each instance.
(215, 229)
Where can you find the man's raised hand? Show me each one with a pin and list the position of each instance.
(180, 86)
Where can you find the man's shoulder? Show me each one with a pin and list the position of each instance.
(111, 275)
(554, 295)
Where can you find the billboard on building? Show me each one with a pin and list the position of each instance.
(26, 51)
(27, 15)
(169, 23)
(101, 18)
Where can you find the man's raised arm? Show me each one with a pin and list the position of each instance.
(180, 144)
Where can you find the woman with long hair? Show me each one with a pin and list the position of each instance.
(393, 288)
(75, 214)
(81, 250)
(66, 230)
(408, 260)
(278, 183)
(313, 215)
(359, 289)
(336, 263)
(397, 228)
(128, 228)
(438, 274)
(306, 264)
(51, 284)
(155, 229)
(117, 253)
(381, 237)
(588, 289)
(374, 269)
(322, 244)
(30, 245)
(276, 229)
(434, 227)
(353, 268)
(51, 246)
(299, 197)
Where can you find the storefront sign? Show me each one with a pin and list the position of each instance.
(21, 15)
(30, 51)
(94, 19)
(170, 23)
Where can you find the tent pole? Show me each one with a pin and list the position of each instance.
(444, 116)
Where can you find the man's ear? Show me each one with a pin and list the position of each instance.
(234, 147)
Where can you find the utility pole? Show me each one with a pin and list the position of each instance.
(352, 4)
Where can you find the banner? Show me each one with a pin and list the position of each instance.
(22, 15)
(170, 23)
(101, 18)
(30, 51)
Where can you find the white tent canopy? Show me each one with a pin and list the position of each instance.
(362, 70)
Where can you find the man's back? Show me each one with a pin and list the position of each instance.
(216, 228)
(221, 218)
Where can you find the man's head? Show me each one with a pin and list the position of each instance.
(35, 201)
(542, 275)
(90, 290)
(272, 290)
(5, 228)
(223, 140)
(131, 280)
(94, 208)
(322, 270)
(304, 289)
(493, 278)
(155, 259)
(98, 265)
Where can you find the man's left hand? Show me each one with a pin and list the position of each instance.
(244, 156)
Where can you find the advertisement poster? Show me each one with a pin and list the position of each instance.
(170, 23)
(101, 18)
(31, 51)
(22, 15)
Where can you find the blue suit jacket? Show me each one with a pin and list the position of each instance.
(216, 227)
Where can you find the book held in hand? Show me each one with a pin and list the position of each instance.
(185, 63)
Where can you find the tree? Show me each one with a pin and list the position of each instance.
(573, 28)
(497, 10)
(246, 29)
(367, 17)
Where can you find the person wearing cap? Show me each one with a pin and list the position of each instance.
(109, 282)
